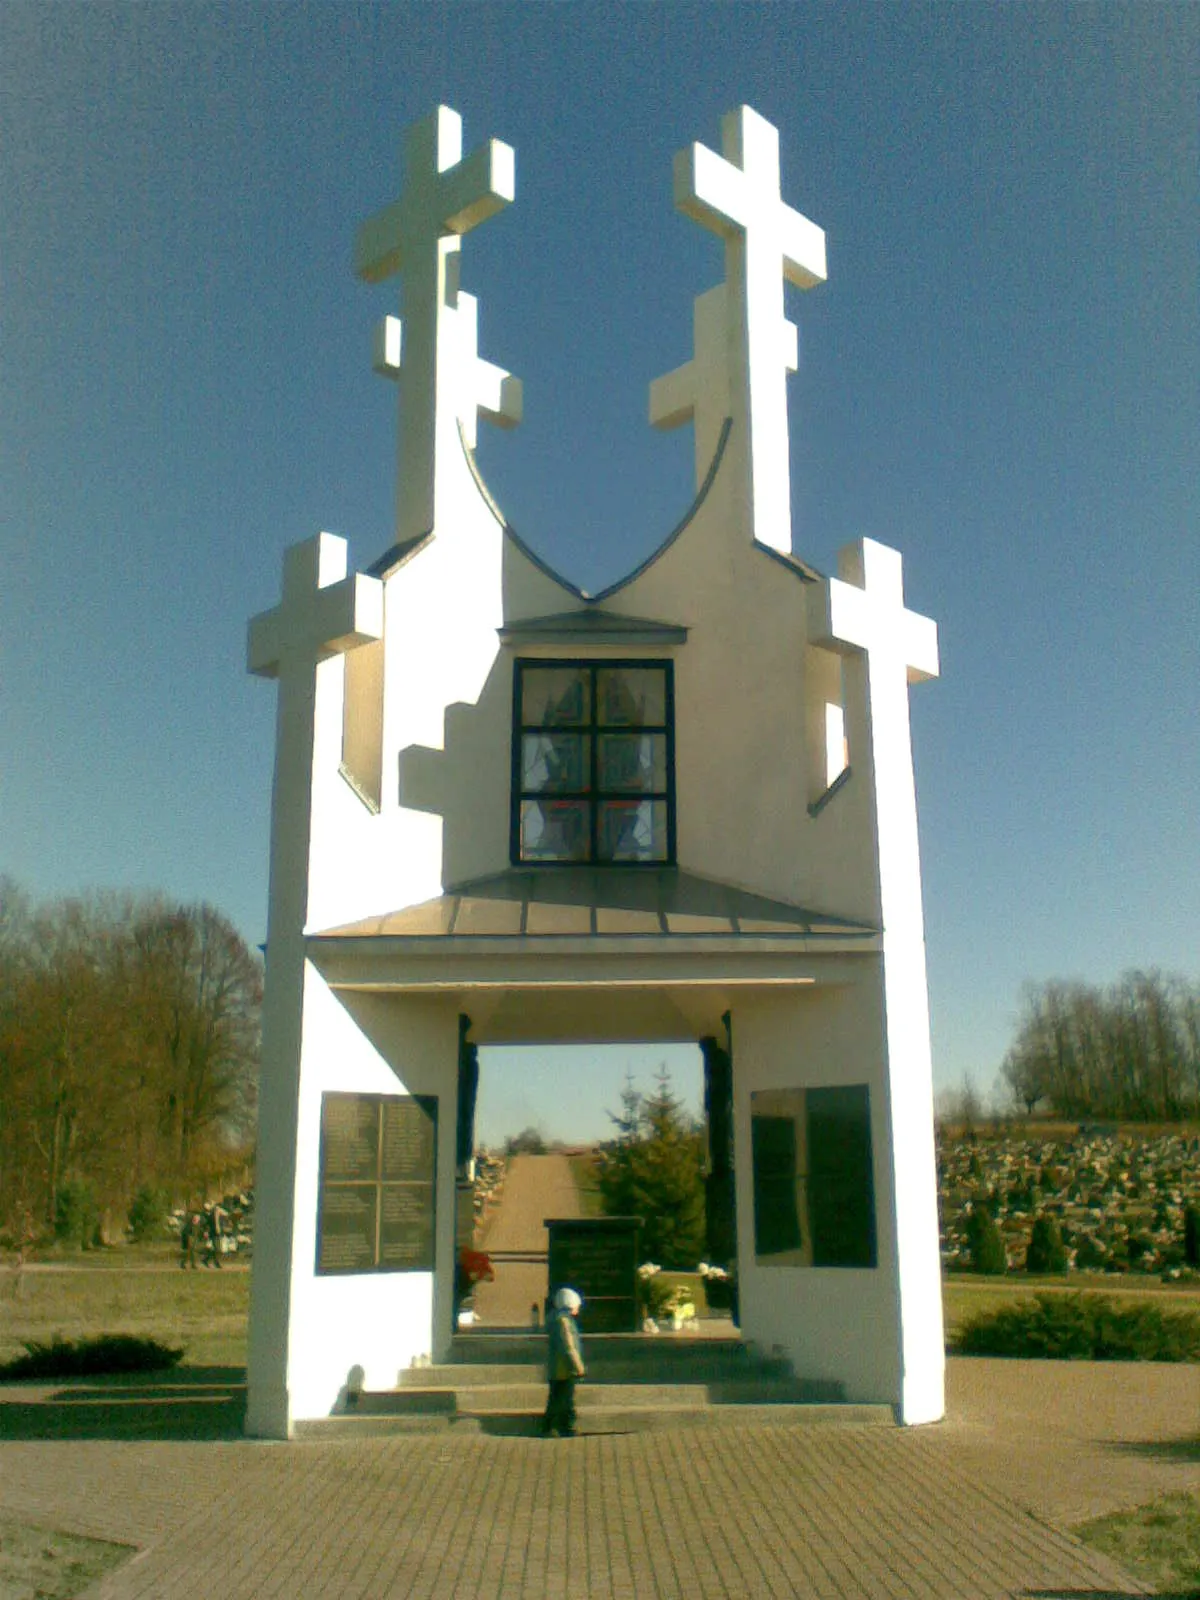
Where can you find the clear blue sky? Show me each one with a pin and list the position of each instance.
(1000, 378)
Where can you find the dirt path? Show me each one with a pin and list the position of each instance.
(535, 1188)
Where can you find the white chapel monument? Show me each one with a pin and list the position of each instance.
(506, 810)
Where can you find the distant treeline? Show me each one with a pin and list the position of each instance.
(1126, 1053)
(129, 1040)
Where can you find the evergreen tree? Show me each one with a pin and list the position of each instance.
(984, 1241)
(1046, 1252)
(654, 1169)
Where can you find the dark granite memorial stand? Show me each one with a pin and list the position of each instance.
(598, 1257)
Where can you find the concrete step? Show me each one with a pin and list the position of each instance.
(496, 1384)
(523, 1347)
(481, 1398)
(608, 1419)
(669, 1368)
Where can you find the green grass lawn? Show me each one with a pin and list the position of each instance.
(1159, 1543)
(145, 1293)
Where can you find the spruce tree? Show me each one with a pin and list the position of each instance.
(984, 1241)
(654, 1169)
(1046, 1252)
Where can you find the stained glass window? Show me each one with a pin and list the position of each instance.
(593, 758)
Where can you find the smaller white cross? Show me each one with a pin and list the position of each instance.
(736, 195)
(323, 612)
(487, 390)
(699, 391)
(864, 610)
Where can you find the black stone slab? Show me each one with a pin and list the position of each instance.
(598, 1257)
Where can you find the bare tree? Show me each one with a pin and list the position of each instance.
(128, 1049)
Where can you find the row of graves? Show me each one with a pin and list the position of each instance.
(1118, 1196)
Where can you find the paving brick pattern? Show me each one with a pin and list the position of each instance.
(836, 1514)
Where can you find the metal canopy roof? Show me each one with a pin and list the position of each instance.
(569, 901)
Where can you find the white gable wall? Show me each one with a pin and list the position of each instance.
(750, 696)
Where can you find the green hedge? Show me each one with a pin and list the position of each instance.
(85, 1358)
(1082, 1327)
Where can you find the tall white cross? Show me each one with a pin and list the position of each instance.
(323, 613)
(419, 236)
(699, 391)
(736, 195)
(862, 615)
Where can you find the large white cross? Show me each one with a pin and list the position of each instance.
(699, 391)
(419, 236)
(862, 615)
(736, 195)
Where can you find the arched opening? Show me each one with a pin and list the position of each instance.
(543, 1115)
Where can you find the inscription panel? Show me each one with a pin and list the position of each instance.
(378, 1184)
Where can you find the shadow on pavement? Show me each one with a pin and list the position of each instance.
(1160, 1449)
(192, 1403)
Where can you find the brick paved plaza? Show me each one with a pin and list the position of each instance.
(974, 1507)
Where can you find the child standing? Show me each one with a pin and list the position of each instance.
(564, 1364)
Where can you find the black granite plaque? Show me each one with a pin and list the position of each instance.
(378, 1184)
(598, 1257)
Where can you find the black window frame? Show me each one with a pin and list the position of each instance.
(592, 795)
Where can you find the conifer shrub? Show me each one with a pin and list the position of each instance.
(76, 1214)
(147, 1214)
(1082, 1327)
(984, 1242)
(1046, 1252)
(85, 1358)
